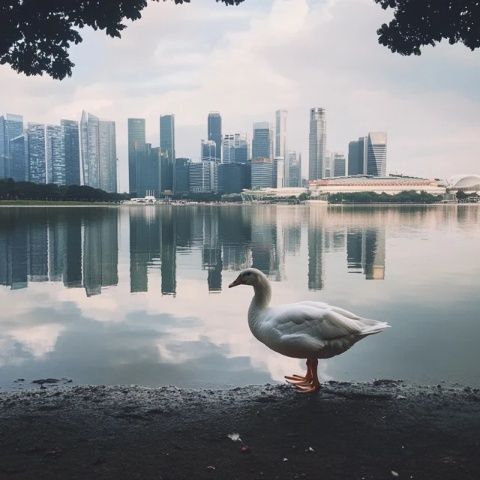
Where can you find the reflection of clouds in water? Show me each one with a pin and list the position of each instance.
(148, 337)
(94, 352)
(38, 340)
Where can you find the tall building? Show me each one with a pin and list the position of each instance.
(278, 172)
(18, 158)
(37, 172)
(262, 173)
(147, 171)
(167, 152)
(11, 126)
(376, 149)
(55, 155)
(262, 143)
(356, 157)
(72, 151)
(203, 176)
(181, 177)
(215, 132)
(98, 152)
(339, 165)
(228, 154)
(235, 148)
(208, 151)
(295, 169)
(368, 155)
(108, 156)
(317, 143)
(233, 177)
(281, 141)
(136, 150)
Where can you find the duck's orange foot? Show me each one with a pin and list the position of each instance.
(298, 379)
(311, 387)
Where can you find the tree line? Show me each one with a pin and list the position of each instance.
(11, 190)
(372, 197)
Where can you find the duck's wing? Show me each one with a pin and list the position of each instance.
(319, 321)
(362, 322)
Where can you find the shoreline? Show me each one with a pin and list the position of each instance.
(384, 429)
(4, 203)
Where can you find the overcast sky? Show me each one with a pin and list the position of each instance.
(250, 60)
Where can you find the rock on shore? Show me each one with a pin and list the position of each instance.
(381, 430)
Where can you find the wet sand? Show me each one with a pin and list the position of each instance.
(380, 430)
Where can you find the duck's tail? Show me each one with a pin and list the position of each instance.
(373, 326)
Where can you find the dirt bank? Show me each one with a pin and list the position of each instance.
(348, 431)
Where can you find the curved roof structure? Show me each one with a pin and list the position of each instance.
(468, 182)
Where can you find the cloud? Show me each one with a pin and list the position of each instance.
(250, 60)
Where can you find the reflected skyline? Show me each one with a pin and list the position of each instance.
(80, 247)
(132, 284)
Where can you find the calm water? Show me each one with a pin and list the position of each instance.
(138, 295)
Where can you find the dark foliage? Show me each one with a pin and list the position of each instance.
(35, 35)
(417, 23)
(372, 197)
(10, 190)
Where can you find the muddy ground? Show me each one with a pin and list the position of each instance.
(383, 430)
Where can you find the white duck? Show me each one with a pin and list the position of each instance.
(310, 330)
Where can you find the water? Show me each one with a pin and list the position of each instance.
(138, 295)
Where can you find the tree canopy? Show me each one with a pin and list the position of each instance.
(36, 34)
(417, 23)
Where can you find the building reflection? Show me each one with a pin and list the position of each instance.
(366, 252)
(80, 247)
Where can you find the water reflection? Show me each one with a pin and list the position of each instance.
(132, 284)
(80, 246)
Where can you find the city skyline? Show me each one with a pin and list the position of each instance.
(431, 115)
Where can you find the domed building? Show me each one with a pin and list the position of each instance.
(465, 183)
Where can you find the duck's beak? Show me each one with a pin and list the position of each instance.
(236, 282)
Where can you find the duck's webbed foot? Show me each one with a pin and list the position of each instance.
(308, 383)
(298, 379)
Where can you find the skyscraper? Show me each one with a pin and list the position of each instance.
(89, 151)
(235, 148)
(317, 143)
(208, 151)
(356, 157)
(11, 126)
(203, 176)
(278, 172)
(136, 149)
(55, 155)
(339, 165)
(167, 152)
(281, 141)
(37, 172)
(262, 173)
(295, 169)
(108, 156)
(262, 143)
(98, 152)
(181, 177)
(215, 132)
(72, 151)
(376, 163)
(18, 158)
(368, 155)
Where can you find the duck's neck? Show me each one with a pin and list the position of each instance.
(263, 294)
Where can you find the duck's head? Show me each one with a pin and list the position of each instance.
(249, 276)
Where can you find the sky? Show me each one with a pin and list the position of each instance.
(250, 60)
